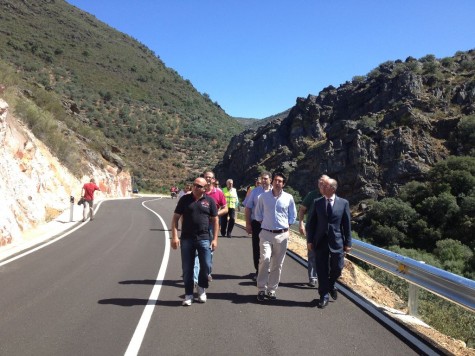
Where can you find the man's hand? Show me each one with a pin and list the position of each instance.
(214, 244)
(302, 212)
(309, 246)
(249, 229)
(347, 249)
(175, 243)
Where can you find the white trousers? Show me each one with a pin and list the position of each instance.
(272, 253)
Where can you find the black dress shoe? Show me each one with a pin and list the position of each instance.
(334, 293)
(322, 303)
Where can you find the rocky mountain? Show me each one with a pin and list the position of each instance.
(373, 133)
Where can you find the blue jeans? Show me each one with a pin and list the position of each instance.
(196, 269)
(188, 251)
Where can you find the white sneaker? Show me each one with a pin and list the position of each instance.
(201, 294)
(188, 300)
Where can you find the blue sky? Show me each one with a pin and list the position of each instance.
(256, 57)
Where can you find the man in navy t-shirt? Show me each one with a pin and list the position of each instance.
(198, 211)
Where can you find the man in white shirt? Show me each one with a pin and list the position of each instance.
(275, 211)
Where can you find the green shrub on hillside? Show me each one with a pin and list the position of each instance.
(464, 137)
(453, 255)
(431, 215)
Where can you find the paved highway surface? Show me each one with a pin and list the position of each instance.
(113, 287)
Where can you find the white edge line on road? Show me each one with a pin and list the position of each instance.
(137, 338)
(42, 245)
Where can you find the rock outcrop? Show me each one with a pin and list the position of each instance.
(372, 134)
(34, 186)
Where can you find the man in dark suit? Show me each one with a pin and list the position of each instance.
(329, 235)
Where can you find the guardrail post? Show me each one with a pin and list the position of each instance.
(413, 300)
(71, 208)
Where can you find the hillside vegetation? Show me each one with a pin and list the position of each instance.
(92, 78)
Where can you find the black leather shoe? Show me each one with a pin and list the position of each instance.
(322, 303)
(334, 293)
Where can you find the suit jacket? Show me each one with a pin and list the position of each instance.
(335, 231)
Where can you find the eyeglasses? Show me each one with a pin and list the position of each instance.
(198, 186)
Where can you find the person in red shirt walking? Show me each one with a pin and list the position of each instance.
(87, 193)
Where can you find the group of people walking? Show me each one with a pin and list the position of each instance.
(269, 212)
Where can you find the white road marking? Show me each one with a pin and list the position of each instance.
(137, 338)
(39, 247)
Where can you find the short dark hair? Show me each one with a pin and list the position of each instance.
(279, 174)
(265, 173)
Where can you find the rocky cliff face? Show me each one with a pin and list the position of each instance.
(372, 134)
(34, 186)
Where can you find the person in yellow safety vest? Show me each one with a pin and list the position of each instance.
(227, 220)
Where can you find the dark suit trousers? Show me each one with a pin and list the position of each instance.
(329, 267)
(256, 229)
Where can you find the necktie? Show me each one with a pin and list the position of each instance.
(329, 207)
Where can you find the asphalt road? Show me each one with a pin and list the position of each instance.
(113, 287)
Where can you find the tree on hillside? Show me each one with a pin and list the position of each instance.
(415, 192)
(453, 255)
(464, 137)
(440, 210)
(389, 222)
(456, 172)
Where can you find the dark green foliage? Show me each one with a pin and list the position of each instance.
(455, 173)
(415, 192)
(440, 210)
(453, 255)
(390, 222)
(437, 216)
(464, 137)
(386, 235)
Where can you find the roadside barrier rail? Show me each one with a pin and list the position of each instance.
(452, 287)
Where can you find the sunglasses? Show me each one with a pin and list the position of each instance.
(198, 186)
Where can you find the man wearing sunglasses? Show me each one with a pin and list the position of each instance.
(199, 214)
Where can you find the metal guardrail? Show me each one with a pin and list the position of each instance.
(447, 285)
(454, 288)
